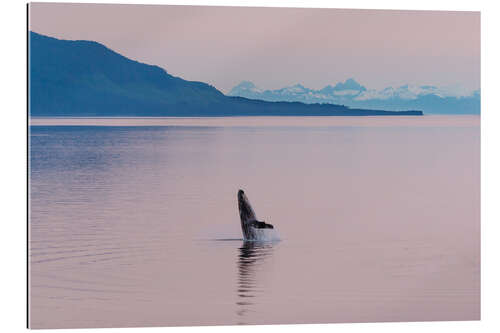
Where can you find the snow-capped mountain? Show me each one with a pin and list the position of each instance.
(432, 99)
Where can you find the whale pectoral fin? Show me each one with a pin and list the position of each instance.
(261, 225)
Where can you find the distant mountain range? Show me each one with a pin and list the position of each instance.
(431, 99)
(86, 79)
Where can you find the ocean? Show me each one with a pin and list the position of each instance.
(134, 221)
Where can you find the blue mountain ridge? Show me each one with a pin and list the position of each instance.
(429, 98)
(86, 79)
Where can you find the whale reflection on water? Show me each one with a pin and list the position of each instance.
(251, 256)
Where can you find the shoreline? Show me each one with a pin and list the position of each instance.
(266, 121)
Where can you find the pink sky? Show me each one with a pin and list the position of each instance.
(276, 47)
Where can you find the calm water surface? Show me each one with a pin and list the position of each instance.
(134, 222)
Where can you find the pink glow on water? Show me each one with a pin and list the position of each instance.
(138, 226)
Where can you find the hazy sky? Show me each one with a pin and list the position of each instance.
(275, 47)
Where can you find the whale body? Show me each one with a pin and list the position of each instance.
(250, 226)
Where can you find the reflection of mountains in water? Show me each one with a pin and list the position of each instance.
(251, 256)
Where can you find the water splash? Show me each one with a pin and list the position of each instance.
(264, 235)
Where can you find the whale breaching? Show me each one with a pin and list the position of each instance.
(250, 226)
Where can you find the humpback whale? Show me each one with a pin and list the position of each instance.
(250, 226)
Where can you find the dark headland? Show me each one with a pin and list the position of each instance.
(86, 79)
